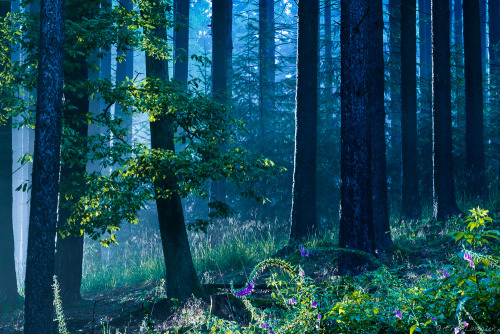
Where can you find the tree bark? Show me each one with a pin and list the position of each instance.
(375, 50)
(46, 161)
(494, 53)
(303, 217)
(182, 280)
(181, 41)
(69, 250)
(221, 56)
(8, 283)
(394, 89)
(356, 216)
(425, 82)
(444, 202)
(411, 196)
(474, 137)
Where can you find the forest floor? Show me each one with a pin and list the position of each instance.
(123, 310)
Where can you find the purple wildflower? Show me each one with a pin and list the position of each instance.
(319, 316)
(301, 273)
(397, 313)
(246, 290)
(465, 324)
(307, 253)
(445, 273)
(457, 330)
(292, 301)
(314, 304)
(467, 257)
(433, 318)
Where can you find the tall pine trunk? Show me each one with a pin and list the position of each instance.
(69, 250)
(221, 53)
(8, 284)
(411, 196)
(182, 280)
(356, 223)
(375, 50)
(494, 53)
(303, 217)
(474, 137)
(38, 303)
(444, 202)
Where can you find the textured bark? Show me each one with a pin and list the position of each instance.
(266, 61)
(44, 192)
(8, 284)
(375, 50)
(181, 40)
(328, 51)
(221, 57)
(394, 106)
(494, 53)
(411, 196)
(444, 202)
(182, 280)
(482, 24)
(303, 217)
(69, 250)
(356, 223)
(474, 137)
(425, 130)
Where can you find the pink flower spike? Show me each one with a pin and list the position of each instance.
(471, 263)
(465, 324)
(467, 257)
(457, 330)
(398, 314)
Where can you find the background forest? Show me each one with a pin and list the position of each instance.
(249, 166)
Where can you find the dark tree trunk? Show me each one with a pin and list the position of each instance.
(444, 202)
(124, 70)
(303, 216)
(266, 60)
(494, 53)
(182, 280)
(328, 52)
(8, 284)
(474, 138)
(425, 82)
(221, 53)
(181, 40)
(44, 192)
(69, 250)
(482, 24)
(356, 216)
(394, 106)
(374, 18)
(411, 196)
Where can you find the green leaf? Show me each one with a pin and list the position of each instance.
(412, 329)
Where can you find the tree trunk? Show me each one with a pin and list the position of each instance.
(8, 283)
(181, 40)
(425, 81)
(411, 196)
(374, 18)
(356, 216)
(69, 250)
(221, 51)
(494, 53)
(394, 106)
(182, 280)
(38, 305)
(328, 52)
(303, 217)
(482, 24)
(474, 138)
(444, 202)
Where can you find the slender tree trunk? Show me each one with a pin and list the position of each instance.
(328, 52)
(182, 280)
(303, 216)
(494, 53)
(44, 192)
(221, 45)
(8, 284)
(181, 40)
(474, 138)
(69, 250)
(356, 216)
(482, 24)
(411, 196)
(394, 106)
(444, 201)
(425, 82)
(383, 242)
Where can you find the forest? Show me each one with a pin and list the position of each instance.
(249, 166)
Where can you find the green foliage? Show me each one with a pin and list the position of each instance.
(62, 328)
